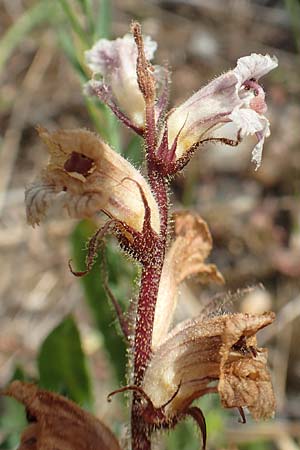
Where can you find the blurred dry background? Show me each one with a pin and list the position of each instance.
(254, 216)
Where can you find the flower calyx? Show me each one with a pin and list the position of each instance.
(156, 418)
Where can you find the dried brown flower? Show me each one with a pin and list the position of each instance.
(218, 354)
(57, 423)
(85, 176)
(186, 257)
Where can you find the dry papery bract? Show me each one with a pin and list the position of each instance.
(85, 176)
(57, 423)
(218, 354)
(191, 246)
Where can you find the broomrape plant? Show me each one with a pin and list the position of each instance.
(171, 366)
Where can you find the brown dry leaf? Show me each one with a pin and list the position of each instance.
(218, 354)
(85, 176)
(57, 423)
(185, 258)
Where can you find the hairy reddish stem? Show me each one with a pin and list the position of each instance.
(141, 439)
(152, 265)
(145, 314)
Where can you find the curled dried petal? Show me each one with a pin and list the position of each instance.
(246, 381)
(218, 354)
(85, 176)
(185, 258)
(57, 423)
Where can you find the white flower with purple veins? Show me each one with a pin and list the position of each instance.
(116, 62)
(235, 96)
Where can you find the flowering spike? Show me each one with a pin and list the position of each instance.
(85, 176)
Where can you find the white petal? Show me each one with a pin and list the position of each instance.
(257, 151)
(249, 122)
(116, 62)
(201, 111)
(106, 56)
(254, 66)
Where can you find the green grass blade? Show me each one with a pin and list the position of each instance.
(74, 22)
(103, 21)
(87, 10)
(34, 16)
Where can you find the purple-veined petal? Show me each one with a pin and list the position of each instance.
(116, 62)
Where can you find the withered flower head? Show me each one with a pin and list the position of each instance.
(186, 257)
(217, 354)
(57, 423)
(85, 176)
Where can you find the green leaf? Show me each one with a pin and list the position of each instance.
(87, 9)
(74, 22)
(13, 421)
(103, 21)
(121, 276)
(66, 43)
(62, 364)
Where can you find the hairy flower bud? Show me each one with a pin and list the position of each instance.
(218, 354)
(85, 176)
(57, 423)
(116, 62)
(234, 97)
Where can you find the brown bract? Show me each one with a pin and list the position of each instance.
(218, 354)
(186, 257)
(85, 176)
(57, 423)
